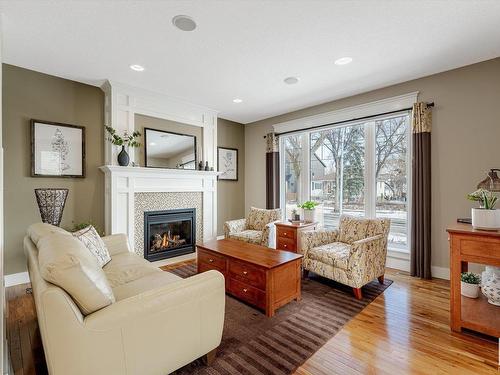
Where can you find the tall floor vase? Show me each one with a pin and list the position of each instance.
(51, 203)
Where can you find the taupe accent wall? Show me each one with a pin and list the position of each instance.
(27, 95)
(465, 140)
(231, 194)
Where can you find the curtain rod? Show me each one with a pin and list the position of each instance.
(350, 120)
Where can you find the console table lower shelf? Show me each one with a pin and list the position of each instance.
(262, 277)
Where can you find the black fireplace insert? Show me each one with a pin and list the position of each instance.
(169, 233)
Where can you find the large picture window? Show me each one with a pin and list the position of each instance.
(360, 168)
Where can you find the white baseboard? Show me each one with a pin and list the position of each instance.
(440, 272)
(398, 263)
(220, 237)
(181, 258)
(16, 279)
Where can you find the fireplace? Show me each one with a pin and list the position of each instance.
(169, 233)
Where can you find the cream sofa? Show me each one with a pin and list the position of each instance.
(257, 228)
(157, 323)
(353, 255)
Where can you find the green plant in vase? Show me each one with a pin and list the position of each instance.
(486, 216)
(127, 140)
(470, 284)
(309, 208)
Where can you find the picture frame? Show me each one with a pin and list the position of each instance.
(227, 163)
(57, 149)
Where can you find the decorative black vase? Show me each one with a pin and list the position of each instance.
(123, 158)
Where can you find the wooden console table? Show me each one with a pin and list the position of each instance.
(468, 245)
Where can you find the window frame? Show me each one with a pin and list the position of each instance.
(369, 172)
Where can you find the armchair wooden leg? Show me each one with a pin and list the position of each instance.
(357, 293)
(209, 358)
(381, 279)
(305, 273)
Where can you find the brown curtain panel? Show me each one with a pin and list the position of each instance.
(272, 172)
(421, 192)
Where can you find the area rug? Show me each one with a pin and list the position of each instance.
(254, 344)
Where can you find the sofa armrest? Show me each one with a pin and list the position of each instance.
(164, 328)
(313, 238)
(269, 235)
(368, 256)
(116, 243)
(234, 226)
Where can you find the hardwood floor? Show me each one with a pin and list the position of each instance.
(404, 331)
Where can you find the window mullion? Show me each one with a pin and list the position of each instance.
(370, 184)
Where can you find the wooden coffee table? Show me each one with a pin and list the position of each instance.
(263, 277)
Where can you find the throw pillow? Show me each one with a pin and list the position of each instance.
(66, 262)
(94, 243)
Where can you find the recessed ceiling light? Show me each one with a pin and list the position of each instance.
(137, 68)
(237, 100)
(343, 61)
(291, 80)
(184, 23)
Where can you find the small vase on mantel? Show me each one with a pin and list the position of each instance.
(123, 158)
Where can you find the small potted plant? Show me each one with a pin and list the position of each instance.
(486, 216)
(470, 284)
(125, 140)
(309, 208)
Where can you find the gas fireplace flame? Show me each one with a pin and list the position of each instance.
(166, 241)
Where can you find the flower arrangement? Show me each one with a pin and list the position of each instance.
(485, 197)
(126, 140)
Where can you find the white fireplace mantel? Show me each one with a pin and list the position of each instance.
(121, 184)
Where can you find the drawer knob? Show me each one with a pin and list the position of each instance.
(245, 290)
(284, 233)
(245, 272)
(211, 260)
(285, 245)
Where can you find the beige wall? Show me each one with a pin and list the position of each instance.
(142, 122)
(231, 194)
(26, 95)
(465, 140)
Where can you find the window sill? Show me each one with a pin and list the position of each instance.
(398, 253)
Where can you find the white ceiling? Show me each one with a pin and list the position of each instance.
(244, 49)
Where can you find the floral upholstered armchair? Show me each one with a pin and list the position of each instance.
(353, 255)
(257, 228)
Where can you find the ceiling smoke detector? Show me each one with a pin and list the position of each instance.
(291, 80)
(137, 68)
(184, 23)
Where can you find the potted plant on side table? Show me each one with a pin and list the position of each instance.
(126, 140)
(470, 284)
(309, 208)
(486, 216)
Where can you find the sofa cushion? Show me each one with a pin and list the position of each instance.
(127, 267)
(144, 284)
(92, 241)
(252, 236)
(66, 262)
(258, 218)
(335, 254)
(352, 228)
(38, 230)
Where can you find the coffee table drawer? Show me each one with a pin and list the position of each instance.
(286, 244)
(216, 261)
(247, 293)
(248, 274)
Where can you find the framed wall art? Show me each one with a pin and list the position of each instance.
(227, 163)
(57, 150)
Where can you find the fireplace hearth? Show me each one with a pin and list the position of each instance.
(169, 233)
